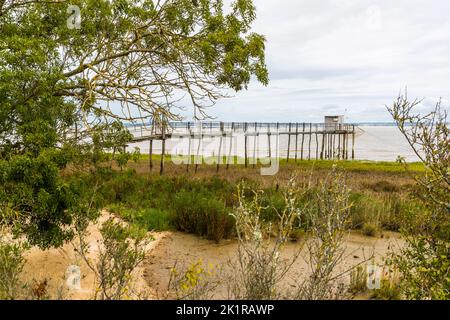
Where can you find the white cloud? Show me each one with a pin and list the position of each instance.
(353, 55)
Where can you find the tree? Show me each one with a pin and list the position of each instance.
(129, 61)
(424, 261)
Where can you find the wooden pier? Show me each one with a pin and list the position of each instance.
(304, 140)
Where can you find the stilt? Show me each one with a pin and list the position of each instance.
(289, 143)
(296, 142)
(219, 160)
(245, 145)
(339, 147)
(303, 141)
(309, 145)
(346, 148)
(197, 157)
(333, 146)
(353, 143)
(323, 147)
(255, 145)
(150, 155)
(189, 151)
(163, 154)
(317, 143)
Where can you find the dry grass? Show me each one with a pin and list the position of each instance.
(370, 176)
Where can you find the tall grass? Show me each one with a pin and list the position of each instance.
(202, 206)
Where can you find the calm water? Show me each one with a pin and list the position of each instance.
(377, 143)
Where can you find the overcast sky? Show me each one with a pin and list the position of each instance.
(348, 57)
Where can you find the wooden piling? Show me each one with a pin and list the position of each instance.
(190, 146)
(197, 157)
(339, 146)
(303, 141)
(163, 154)
(317, 143)
(309, 145)
(255, 145)
(323, 146)
(231, 146)
(289, 143)
(296, 142)
(353, 143)
(333, 143)
(245, 144)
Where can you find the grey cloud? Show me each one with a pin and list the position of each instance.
(355, 55)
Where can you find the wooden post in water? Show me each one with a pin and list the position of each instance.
(245, 144)
(323, 146)
(346, 147)
(339, 146)
(353, 143)
(269, 146)
(344, 141)
(317, 142)
(296, 142)
(150, 154)
(219, 160)
(231, 145)
(303, 141)
(255, 145)
(197, 157)
(289, 143)
(163, 154)
(333, 146)
(330, 145)
(310, 137)
(189, 151)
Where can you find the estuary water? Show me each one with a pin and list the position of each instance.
(373, 142)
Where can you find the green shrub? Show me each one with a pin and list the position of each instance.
(389, 290)
(11, 266)
(370, 229)
(383, 186)
(154, 219)
(149, 219)
(358, 280)
(202, 214)
(273, 205)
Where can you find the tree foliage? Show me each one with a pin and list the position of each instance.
(61, 88)
(425, 262)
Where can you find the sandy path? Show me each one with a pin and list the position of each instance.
(169, 248)
(51, 265)
(184, 249)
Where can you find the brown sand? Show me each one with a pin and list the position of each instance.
(183, 250)
(51, 265)
(170, 248)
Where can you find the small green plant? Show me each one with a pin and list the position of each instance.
(121, 251)
(153, 219)
(259, 268)
(370, 229)
(358, 280)
(149, 219)
(389, 288)
(203, 215)
(11, 266)
(196, 282)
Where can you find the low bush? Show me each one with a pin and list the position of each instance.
(11, 266)
(201, 206)
(202, 214)
(383, 186)
(358, 280)
(389, 290)
(370, 229)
